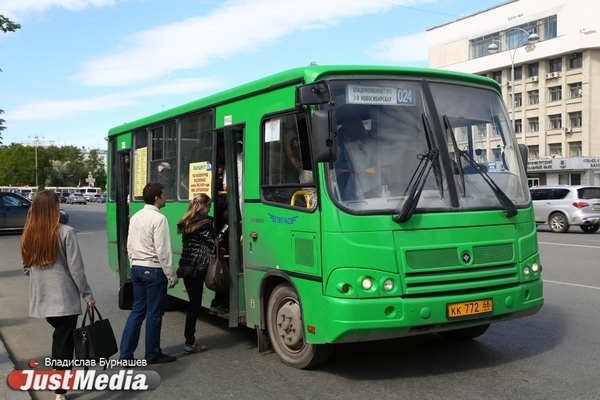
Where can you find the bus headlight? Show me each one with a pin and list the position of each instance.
(526, 270)
(367, 283)
(388, 285)
(535, 267)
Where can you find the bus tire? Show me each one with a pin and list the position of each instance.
(286, 330)
(464, 333)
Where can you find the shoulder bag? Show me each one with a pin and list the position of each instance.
(96, 340)
(217, 275)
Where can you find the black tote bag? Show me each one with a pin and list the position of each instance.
(96, 340)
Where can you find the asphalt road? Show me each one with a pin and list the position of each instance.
(551, 355)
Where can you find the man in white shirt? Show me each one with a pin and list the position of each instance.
(151, 259)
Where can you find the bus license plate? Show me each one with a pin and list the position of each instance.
(457, 310)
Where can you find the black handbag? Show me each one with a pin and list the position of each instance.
(217, 274)
(96, 340)
(126, 296)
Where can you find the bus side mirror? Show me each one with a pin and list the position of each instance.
(324, 136)
(524, 155)
(314, 93)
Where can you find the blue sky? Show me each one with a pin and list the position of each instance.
(77, 68)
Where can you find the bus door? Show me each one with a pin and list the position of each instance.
(233, 157)
(281, 224)
(119, 194)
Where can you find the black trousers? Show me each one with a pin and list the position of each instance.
(193, 288)
(62, 339)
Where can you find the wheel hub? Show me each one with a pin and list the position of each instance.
(289, 326)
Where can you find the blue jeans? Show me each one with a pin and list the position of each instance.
(149, 300)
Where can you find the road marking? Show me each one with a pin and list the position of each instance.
(573, 284)
(573, 245)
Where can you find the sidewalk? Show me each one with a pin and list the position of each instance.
(6, 366)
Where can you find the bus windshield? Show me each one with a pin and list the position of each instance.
(391, 140)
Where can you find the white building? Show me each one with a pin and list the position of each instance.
(557, 108)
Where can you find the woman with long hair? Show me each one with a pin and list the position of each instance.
(198, 240)
(52, 259)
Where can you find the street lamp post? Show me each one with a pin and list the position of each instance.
(493, 48)
(35, 144)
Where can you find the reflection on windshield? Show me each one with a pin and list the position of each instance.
(382, 140)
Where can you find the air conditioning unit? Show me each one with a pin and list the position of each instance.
(568, 129)
(556, 74)
(550, 75)
(534, 79)
(509, 83)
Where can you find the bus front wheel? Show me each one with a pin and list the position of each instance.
(464, 333)
(286, 330)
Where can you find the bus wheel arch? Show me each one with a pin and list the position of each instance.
(286, 330)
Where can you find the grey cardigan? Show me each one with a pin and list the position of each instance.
(55, 290)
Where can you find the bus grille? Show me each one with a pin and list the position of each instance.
(441, 270)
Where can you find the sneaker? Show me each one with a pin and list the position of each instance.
(163, 359)
(193, 348)
(218, 310)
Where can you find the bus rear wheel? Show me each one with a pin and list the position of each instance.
(464, 333)
(286, 330)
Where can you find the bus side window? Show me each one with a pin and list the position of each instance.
(287, 173)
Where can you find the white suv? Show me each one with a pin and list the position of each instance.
(563, 205)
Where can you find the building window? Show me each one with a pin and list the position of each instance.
(497, 76)
(575, 119)
(569, 179)
(518, 126)
(482, 131)
(534, 69)
(575, 90)
(555, 93)
(518, 99)
(555, 65)
(534, 124)
(576, 60)
(555, 121)
(518, 73)
(534, 96)
(575, 149)
(555, 149)
(547, 27)
(497, 154)
(534, 151)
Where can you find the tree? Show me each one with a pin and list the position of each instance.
(7, 26)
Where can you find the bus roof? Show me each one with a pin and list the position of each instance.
(299, 76)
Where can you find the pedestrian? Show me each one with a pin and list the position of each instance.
(198, 241)
(52, 259)
(151, 260)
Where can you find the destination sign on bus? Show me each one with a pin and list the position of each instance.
(403, 96)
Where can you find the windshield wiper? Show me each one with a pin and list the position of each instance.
(427, 161)
(510, 209)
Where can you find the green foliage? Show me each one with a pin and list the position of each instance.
(57, 166)
(7, 26)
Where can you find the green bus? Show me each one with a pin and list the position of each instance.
(370, 202)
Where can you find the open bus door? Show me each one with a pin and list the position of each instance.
(120, 195)
(230, 141)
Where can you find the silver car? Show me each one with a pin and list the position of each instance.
(76, 198)
(565, 205)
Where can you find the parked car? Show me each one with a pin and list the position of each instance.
(13, 211)
(95, 198)
(565, 205)
(76, 198)
(62, 197)
(103, 198)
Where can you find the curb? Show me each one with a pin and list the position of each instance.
(6, 366)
